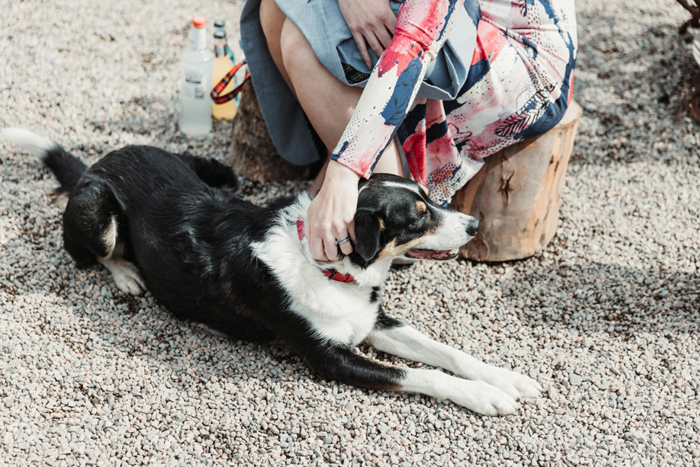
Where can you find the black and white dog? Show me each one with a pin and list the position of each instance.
(158, 221)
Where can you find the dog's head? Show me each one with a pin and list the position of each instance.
(395, 217)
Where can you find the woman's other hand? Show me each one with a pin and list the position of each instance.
(371, 22)
(332, 212)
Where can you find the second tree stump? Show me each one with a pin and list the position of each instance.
(253, 155)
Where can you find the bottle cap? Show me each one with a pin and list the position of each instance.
(219, 23)
(219, 34)
(199, 22)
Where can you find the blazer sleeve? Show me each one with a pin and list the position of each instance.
(422, 28)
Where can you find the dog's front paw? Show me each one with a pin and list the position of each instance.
(485, 399)
(514, 384)
(476, 396)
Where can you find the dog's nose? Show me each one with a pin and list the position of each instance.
(472, 227)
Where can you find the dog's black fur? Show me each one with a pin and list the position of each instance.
(190, 242)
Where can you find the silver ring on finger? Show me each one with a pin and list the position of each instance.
(344, 240)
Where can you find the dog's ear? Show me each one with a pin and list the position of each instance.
(367, 233)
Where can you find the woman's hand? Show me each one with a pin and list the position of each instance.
(332, 212)
(372, 21)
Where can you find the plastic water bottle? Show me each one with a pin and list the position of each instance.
(197, 74)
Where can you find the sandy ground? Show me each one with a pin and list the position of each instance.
(606, 318)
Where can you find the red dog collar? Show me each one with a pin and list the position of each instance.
(332, 274)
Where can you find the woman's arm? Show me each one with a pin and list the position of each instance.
(422, 28)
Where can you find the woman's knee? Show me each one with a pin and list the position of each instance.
(294, 46)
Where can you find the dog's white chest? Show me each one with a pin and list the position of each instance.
(338, 311)
(335, 310)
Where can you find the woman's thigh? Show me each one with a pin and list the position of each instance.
(272, 20)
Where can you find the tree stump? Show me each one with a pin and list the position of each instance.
(516, 194)
(253, 155)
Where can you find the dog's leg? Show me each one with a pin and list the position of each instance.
(339, 363)
(393, 337)
(236, 327)
(125, 274)
(91, 231)
(211, 171)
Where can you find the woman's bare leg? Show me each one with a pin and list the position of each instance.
(318, 181)
(327, 102)
(390, 162)
(272, 19)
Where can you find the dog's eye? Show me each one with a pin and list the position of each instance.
(419, 221)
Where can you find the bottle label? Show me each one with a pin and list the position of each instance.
(194, 87)
(194, 76)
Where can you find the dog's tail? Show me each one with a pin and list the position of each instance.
(65, 166)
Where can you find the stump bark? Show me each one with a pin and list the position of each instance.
(516, 194)
(253, 155)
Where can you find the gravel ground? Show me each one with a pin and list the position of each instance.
(606, 318)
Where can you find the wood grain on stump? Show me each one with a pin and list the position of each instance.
(253, 155)
(516, 194)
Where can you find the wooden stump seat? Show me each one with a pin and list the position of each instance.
(516, 194)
